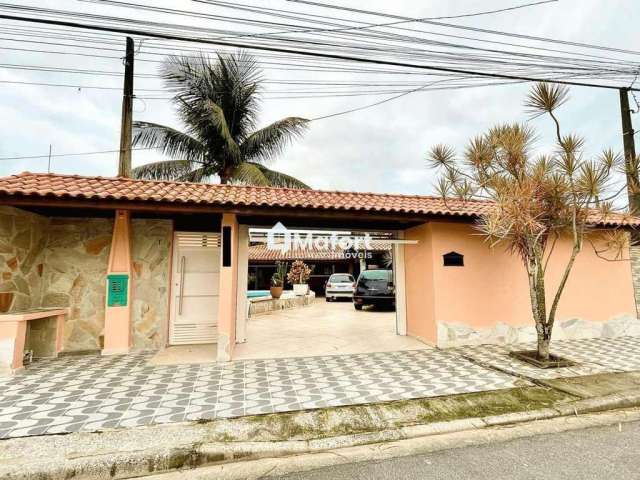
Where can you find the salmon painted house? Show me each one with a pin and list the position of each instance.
(120, 265)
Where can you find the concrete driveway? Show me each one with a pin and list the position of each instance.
(323, 328)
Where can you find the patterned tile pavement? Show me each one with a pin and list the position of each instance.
(91, 393)
(593, 356)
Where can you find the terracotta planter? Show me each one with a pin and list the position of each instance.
(300, 289)
(6, 299)
(276, 292)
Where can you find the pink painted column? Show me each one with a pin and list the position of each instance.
(228, 288)
(419, 285)
(118, 336)
(60, 319)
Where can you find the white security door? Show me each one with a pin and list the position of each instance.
(194, 295)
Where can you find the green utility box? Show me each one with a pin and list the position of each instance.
(117, 287)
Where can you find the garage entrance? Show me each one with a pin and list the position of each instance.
(355, 300)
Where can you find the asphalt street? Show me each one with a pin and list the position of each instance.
(596, 453)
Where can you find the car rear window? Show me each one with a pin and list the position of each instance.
(341, 278)
(377, 274)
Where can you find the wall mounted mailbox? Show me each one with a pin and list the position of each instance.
(117, 286)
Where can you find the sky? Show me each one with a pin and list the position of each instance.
(380, 149)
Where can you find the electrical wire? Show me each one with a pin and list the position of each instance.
(336, 56)
(34, 157)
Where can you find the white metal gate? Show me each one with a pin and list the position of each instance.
(194, 295)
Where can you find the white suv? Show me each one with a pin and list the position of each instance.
(340, 285)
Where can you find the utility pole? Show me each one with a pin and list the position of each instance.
(124, 166)
(630, 163)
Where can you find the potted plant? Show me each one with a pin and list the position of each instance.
(298, 276)
(277, 279)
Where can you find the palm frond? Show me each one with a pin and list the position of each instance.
(271, 140)
(217, 118)
(237, 79)
(175, 170)
(167, 140)
(198, 175)
(248, 173)
(182, 75)
(217, 98)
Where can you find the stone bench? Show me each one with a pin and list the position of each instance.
(13, 332)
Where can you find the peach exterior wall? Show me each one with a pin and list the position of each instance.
(492, 285)
(419, 287)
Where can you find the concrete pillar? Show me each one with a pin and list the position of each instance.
(118, 335)
(228, 290)
(243, 274)
(419, 285)
(399, 282)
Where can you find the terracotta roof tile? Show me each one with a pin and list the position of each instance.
(117, 188)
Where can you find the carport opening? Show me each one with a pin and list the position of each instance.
(349, 300)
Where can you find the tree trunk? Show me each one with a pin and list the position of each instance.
(537, 292)
(544, 343)
(225, 175)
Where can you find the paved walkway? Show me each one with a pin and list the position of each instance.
(335, 327)
(592, 356)
(92, 393)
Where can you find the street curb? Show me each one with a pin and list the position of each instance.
(280, 466)
(118, 464)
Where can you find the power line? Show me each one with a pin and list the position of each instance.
(387, 24)
(476, 29)
(555, 60)
(364, 107)
(323, 20)
(78, 87)
(34, 157)
(169, 36)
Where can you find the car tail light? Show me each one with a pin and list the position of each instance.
(328, 285)
(353, 284)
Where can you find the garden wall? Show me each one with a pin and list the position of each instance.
(487, 299)
(62, 262)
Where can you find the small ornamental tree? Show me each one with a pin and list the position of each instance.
(538, 198)
(299, 273)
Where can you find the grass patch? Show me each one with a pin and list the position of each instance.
(331, 422)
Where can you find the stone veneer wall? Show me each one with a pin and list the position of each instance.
(151, 269)
(22, 241)
(62, 262)
(75, 269)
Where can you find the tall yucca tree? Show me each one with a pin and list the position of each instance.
(218, 102)
(538, 200)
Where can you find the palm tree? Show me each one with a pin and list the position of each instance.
(218, 103)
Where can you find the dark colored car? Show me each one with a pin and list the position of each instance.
(375, 287)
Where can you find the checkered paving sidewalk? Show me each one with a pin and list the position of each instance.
(592, 356)
(91, 393)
